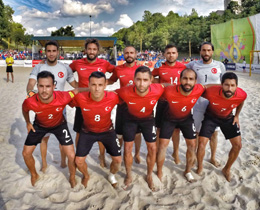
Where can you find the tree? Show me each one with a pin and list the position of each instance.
(68, 31)
(17, 33)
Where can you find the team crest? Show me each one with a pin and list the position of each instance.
(99, 69)
(60, 74)
(214, 71)
(193, 100)
(59, 109)
(153, 102)
(233, 106)
(108, 108)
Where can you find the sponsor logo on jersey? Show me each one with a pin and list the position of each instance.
(59, 109)
(38, 112)
(175, 102)
(215, 104)
(71, 94)
(164, 73)
(67, 140)
(60, 74)
(122, 76)
(193, 100)
(153, 102)
(82, 69)
(108, 108)
(131, 102)
(86, 109)
(214, 71)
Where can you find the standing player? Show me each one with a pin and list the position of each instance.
(96, 107)
(84, 67)
(125, 74)
(168, 73)
(9, 68)
(208, 71)
(62, 73)
(222, 100)
(48, 106)
(140, 99)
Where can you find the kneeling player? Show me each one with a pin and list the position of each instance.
(96, 107)
(48, 107)
(181, 99)
(222, 100)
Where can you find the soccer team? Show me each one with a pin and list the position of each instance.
(196, 99)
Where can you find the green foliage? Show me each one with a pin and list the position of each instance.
(68, 31)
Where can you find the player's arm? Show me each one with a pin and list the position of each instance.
(238, 110)
(29, 125)
(210, 85)
(74, 84)
(112, 79)
(156, 80)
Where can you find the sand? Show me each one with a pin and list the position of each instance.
(53, 191)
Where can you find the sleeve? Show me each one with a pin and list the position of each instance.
(190, 65)
(110, 68)
(114, 77)
(35, 72)
(25, 106)
(223, 70)
(70, 77)
(155, 72)
(73, 103)
(73, 66)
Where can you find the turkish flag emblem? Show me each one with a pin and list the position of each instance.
(60, 74)
(214, 70)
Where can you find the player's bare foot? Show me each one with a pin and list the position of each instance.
(137, 159)
(102, 161)
(227, 174)
(128, 180)
(63, 165)
(72, 182)
(34, 179)
(199, 171)
(149, 181)
(84, 181)
(214, 162)
(189, 177)
(160, 175)
(176, 158)
(44, 168)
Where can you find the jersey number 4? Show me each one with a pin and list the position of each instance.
(143, 110)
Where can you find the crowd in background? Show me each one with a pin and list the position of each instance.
(17, 55)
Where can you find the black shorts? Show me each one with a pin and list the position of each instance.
(108, 139)
(160, 109)
(78, 120)
(210, 123)
(186, 126)
(61, 132)
(147, 128)
(9, 69)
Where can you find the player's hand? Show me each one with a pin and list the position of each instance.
(30, 127)
(42, 61)
(30, 93)
(236, 121)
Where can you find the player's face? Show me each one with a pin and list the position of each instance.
(142, 81)
(97, 87)
(188, 81)
(92, 51)
(52, 53)
(45, 88)
(206, 53)
(229, 87)
(171, 55)
(129, 54)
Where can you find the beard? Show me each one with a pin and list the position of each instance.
(129, 60)
(45, 98)
(142, 90)
(52, 61)
(171, 61)
(228, 94)
(206, 59)
(187, 90)
(91, 59)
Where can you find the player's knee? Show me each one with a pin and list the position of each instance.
(151, 148)
(26, 154)
(71, 156)
(117, 160)
(237, 146)
(79, 161)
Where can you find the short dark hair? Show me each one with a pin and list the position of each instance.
(129, 46)
(92, 41)
(45, 74)
(168, 46)
(143, 69)
(187, 69)
(209, 43)
(97, 74)
(52, 42)
(229, 75)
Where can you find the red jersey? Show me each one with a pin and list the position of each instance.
(84, 69)
(141, 107)
(169, 74)
(96, 114)
(125, 74)
(51, 114)
(222, 107)
(179, 105)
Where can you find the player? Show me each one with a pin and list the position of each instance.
(84, 67)
(140, 99)
(48, 106)
(222, 100)
(62, 73)
(9, 68)
(168, 73)
(96, 107)
(208, 71)
(125, 74)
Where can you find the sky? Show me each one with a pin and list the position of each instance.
(40, 17)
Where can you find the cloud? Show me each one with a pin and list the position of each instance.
(52, 29)
(17, 18)
(96, 29)
(124, 21)
(76, 8)
(123, 2)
